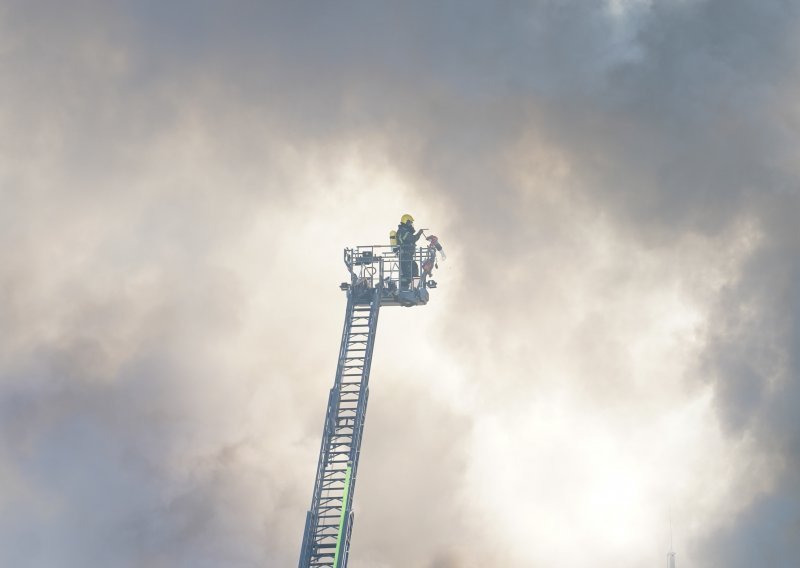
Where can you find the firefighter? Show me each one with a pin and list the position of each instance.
(407, 241)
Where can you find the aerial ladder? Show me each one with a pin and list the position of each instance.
(378, 277)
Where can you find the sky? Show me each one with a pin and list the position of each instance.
(611, 360)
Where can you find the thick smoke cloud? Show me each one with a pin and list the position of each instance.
(615, 184)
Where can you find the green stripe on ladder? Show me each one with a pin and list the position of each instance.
(341, 518)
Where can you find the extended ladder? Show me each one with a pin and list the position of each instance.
(329, 522)
(374, 282)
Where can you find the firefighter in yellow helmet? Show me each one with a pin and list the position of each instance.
(407, 241)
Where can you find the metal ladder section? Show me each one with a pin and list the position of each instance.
(329, 522)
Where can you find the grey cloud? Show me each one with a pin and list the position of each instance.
(672, 121)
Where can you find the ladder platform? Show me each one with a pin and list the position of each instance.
(402, 278)
(380, 276)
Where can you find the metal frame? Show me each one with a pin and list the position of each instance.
(374, 282)
(379, 266)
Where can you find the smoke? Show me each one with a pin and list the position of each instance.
(616, 334)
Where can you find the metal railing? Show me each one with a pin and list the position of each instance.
(389, 267)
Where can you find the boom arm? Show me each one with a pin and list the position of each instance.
(329, 522)
(377, 274)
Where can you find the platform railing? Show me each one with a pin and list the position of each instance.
(375, 265)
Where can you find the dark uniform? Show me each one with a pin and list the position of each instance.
(407, 241)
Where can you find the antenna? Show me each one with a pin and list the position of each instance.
(671, 553)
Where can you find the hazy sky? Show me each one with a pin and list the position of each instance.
(615, 341)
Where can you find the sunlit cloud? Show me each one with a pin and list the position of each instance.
(613, 344)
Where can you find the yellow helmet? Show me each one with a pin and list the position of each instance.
(406, 218)
(393, 238)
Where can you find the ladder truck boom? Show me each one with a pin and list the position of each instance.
(378, 277)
